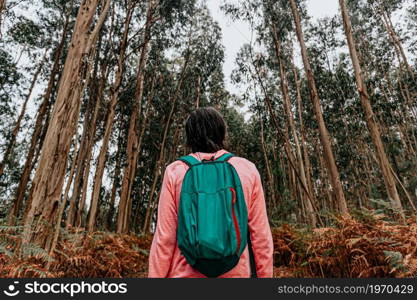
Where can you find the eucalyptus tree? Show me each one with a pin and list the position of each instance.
(49, 178)
(96, 98)
(10, 80)
(28, 36)
(198, 81)
(30, 39)
(18, 123)
(166, 11)
(369, 114)
(412, 24)
(324, 134)
(278, 23)
(257, 74)
(385, 10)
(128, 9)
(275, 31)
(336, 87)
(58, 15)
(132, 143)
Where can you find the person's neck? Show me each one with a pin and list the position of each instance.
(205, 155)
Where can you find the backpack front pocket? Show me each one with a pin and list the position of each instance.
(215, 230)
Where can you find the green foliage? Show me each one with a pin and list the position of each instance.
(26, 32)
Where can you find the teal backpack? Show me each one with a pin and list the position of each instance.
(212, 216)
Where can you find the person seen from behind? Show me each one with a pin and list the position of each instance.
(212, 219)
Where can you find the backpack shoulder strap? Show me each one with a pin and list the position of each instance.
(252, 262)
(189, 160)
(225, 157)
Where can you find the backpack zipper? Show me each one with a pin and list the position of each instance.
(235, 219)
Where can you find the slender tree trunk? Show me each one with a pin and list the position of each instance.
(371, 121)
(312, 221)
(395, 39)
(37, 155)
(161, 157)
(2, 10)
(79, 221)
(132, 143)
(143, 127)
(271, 183)
(86, 145)
(401, 127)
(177, 136)
(102, 158)
(306, 157)
(37, 134)
(81, 163)
(402, 60)
(116, 180)
(141, 136)
(198, 87)
(18, 123)
(324, 134)
(49, 177)
(284, 135)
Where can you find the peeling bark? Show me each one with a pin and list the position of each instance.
(49, 177)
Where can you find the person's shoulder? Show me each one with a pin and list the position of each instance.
(175, 171)
(244, 163)
(176, 166)
(246, 170)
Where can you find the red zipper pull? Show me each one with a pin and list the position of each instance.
(235, 221)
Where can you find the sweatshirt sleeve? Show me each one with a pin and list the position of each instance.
(260, 231)
(164, 241)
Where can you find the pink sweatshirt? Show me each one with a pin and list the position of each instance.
(166, 260)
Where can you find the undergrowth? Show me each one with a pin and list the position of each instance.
(367, 246)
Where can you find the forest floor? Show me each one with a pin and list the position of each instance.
(371, 247)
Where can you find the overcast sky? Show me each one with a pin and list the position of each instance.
(235, 34)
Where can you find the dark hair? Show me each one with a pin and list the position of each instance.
(205, 130)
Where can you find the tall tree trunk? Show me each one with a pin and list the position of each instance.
(402, 60)
(198, 88)
(83, 160)
(324, 134)
(2, 10)
(284, 135)
(143, 127)
(312, 221)
(102, 157)
(81, 163)
(18, 123)
(132, 143)
(271, 183)
(395, 39)
(49, 177)
(42, 117)
(116, 180)
(176, 139)
(306, 156)
(161, 157)
(64, 199)
(371, 121)
(79, 221)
